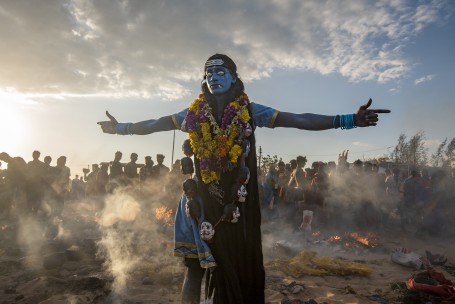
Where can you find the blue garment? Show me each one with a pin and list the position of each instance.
(269, 186)
(187, 240)
(263, 116)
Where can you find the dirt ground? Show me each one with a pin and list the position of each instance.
(81, 259)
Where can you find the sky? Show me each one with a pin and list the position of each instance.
(63, 63)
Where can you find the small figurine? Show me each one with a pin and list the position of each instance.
(207, 231)
(186, 165)
(231, 213)
(192, 207)
(186, 148)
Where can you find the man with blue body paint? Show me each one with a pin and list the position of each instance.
(231, 250)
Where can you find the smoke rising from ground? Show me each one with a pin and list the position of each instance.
(135, 233)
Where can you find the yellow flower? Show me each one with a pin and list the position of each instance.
(209, 176)
(235, 104)
(205, 128)
(235, 153)
(214, 143)
(232, 136)
(245, 115)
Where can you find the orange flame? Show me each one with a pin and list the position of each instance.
(164, 214)
(334, 238)
(361, 239)
(316, 233)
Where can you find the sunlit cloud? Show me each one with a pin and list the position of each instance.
(143, 49)
(361, 144)
(424, 79)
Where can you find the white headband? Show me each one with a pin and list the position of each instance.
(214, 62)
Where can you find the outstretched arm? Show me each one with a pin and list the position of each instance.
(112, 126)
(364, 117)
(305, 121)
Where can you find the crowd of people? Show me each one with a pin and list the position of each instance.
(37, 187)
(24, 186)
(359, 195)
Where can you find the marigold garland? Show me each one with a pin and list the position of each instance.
(215, 145)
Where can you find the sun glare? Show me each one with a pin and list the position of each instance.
(12, 122)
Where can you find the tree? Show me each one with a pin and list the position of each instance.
(412, 152)
(417, 151)
(449, 154)
(399, 154)
(267, 161)
(444, 155)
(437, 158)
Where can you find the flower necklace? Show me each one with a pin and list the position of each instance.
(216, 146)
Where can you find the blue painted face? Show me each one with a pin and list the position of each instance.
(219, 79)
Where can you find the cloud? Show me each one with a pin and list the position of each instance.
(155, 48)
(361, 144)
(430, 143)
(424, 79)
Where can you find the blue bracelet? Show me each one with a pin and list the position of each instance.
(123, 128)
(347, 121)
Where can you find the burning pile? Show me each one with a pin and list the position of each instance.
(354, 241)
(164, 215)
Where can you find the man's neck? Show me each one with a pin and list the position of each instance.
(222, 99)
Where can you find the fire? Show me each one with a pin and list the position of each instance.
(164, 214)
(334, 238)
(361, 239)
(316, 233)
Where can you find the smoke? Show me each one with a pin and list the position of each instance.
(30, 239)
(120, 259)
(119, 208)
(136, 230)
(355, 200)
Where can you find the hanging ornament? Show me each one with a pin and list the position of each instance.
(241, 194)
(186, 165)
(244, 176)
(231, 213)
(207, 231)
(186, 148)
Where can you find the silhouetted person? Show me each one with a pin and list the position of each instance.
(36, 174)
(102, 178)
(147, 172)
(60, 185)
(48, 170)
(90, 179)
(130, 170)
(77, 188)
(174, 185)
(15, 183)
(162, 170)
(116, 168)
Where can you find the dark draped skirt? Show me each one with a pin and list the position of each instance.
(239, 276)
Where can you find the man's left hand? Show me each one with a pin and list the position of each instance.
(365, 117)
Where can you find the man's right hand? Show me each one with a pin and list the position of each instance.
(109, 126)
